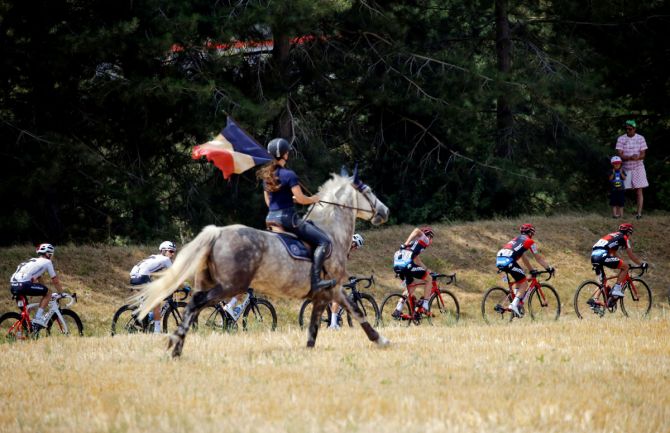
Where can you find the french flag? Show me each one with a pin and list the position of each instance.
(232, 151)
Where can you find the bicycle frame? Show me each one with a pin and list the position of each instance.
(434, 288)
(54, 309)
(605, 288)
(533, 286)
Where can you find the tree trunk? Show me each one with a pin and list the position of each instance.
(504, 119)
(280, 57)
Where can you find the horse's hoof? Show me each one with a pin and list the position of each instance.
(383, 341)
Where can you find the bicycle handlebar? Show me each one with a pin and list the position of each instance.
(353, 281)
(71, 298)
(451, 277)
(643, 268)
(535, 273)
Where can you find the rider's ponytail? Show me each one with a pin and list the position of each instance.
(268, 174)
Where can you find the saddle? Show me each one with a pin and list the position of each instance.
(296, 248)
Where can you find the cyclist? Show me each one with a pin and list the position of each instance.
(408, 266)
(357, 242)
(141, 273)
(604, 253)
(281, 187)
(506, 260)
(26, 280)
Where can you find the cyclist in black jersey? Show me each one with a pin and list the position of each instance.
(604, 253)
(408, 266)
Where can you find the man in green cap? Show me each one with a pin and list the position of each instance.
(632, 149)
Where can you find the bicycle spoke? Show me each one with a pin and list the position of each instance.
(389, 306)
(260, 316)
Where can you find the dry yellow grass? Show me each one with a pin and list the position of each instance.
(559, 377)
(565, 376)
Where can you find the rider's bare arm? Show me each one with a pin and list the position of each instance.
(267, 198)
(540, 259)
(301, 198)
(416, 233)
(526, 262)
(57, 284)
(633, 257)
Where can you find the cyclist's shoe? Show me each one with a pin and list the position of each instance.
(592, 303)
(616, 291)
(396, 314)
(516, 310)
(335, 327)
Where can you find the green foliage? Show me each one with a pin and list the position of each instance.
(102, 102)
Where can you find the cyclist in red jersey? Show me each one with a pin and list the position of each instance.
(408, 266)
(506, 260)
(604, 253)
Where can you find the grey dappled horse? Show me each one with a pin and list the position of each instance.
(225, 261)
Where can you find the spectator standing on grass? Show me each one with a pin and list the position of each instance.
(617, 177)
(632, 149)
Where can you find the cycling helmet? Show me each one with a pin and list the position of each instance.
(428, 231)
(278, 147)
(626, 228)
(357, 240)
(45, 249)
(615, 159)
(168, 246)
(527, 229)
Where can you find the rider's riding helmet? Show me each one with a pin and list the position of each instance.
(167, 246)
(626, 228)
(45, 249)
(278, 147)
(527, 229)
(428, 231)
(357, 240)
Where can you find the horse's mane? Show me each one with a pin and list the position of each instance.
(330, 191)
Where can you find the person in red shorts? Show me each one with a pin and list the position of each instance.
(506, 260)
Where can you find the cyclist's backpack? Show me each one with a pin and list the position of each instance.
(402, 260)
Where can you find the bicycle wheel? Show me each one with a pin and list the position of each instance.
(126, 322)
(209, 319)
(494, 305)
(389, 305)
(590, 302)
(306, 313)
(173, 317)
(444, 308)
(11, 327)
(259, 316)
(68, 326)
(636, 303)
(368, 306)
(544, 304)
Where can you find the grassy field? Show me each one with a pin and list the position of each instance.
(565, 376)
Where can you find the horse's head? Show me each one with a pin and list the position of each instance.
(369, 206)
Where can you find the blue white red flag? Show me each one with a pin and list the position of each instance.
(232, 151)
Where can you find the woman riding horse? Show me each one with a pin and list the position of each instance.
(280, 187)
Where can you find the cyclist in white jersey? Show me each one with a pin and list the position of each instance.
(141, 273)
(357, 242)
(26, 280)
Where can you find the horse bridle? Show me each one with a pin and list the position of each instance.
(362, 188)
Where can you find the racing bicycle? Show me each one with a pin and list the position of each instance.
(593, 298)
(258, 314)
(541, 300)
(443, 307)
(60, 321)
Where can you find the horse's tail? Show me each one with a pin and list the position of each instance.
(191, 259)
